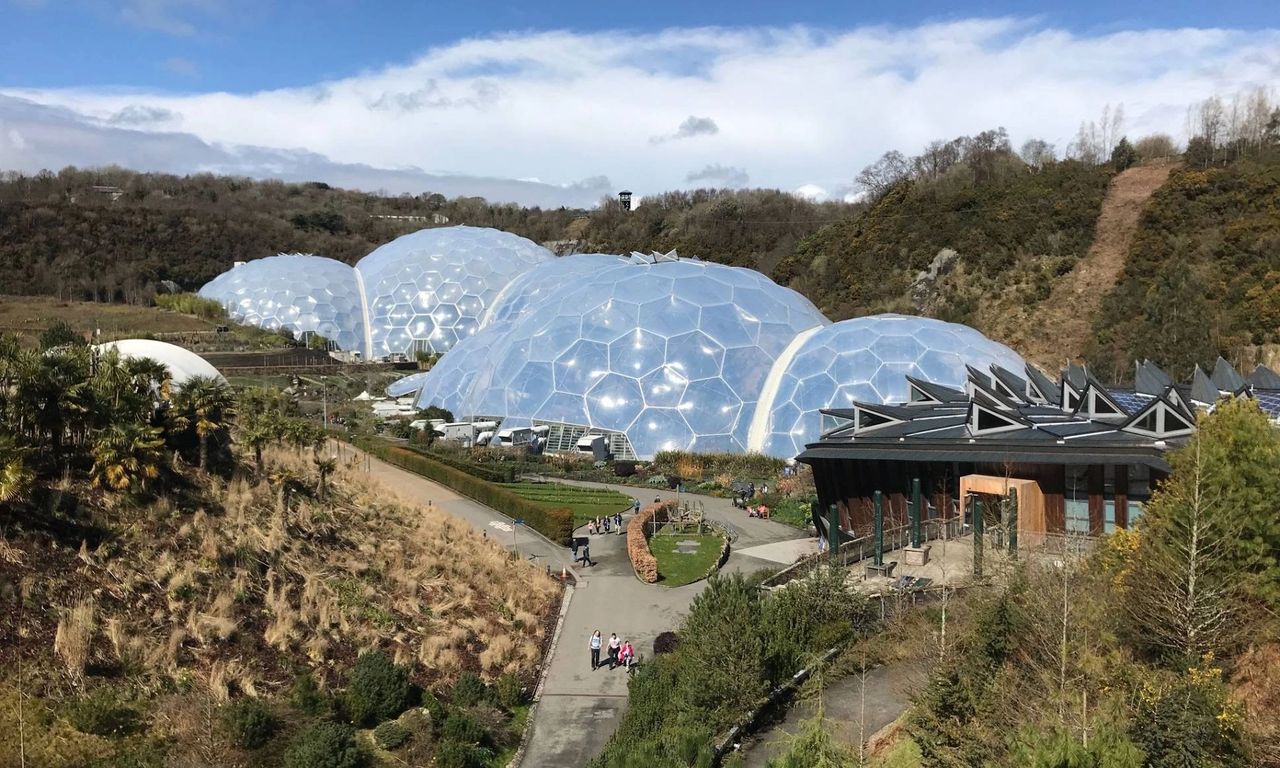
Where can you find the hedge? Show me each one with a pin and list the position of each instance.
(491, 474)
(556, 523)
(642, 559)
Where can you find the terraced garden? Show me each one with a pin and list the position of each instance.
(586, 503)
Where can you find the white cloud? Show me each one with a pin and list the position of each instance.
(719, 175)
(796, 106)
(810, 192)
(691, 127)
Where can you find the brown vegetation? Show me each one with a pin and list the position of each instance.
(642, 560)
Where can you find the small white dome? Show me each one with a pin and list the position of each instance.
(182, 363)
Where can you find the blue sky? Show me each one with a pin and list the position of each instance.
(564, 104)
(241, 46)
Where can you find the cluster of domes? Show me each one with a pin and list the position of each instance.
(658, 352)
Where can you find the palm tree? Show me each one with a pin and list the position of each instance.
(256, 431)
(15, 476)
(126, 457)
(324, 467)
(208, 406)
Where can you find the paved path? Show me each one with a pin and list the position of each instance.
(888, 692)
(580, 708)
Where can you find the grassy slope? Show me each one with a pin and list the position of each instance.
(219, 591)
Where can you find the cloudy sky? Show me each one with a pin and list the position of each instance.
(563, 104)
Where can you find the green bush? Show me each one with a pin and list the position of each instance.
(249, 723)
(555, 524)
(325, 745)
(378, 689)
(510, 692)
(470, 690)
(461, 728)
(452, 754)
(191, 304)
(390, 734)
(102, 712)
(307, 697)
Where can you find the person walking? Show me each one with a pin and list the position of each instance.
(586, 555)
(595, 650)
(635, 507)
(628, 654)
(617, 520)
(614, 645)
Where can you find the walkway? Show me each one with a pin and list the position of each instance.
(887, 695)
(579, 709)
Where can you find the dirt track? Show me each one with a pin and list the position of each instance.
(1065, 320)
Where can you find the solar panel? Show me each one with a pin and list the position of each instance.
(1130, 401)
(1270, 402)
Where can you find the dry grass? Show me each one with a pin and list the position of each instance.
(237, 590)
(74, 636)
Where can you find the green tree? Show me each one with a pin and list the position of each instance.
(58, 334)
(814, 747)
(378, 689)
(207, 406)
(1209, 536)
(727, 649)
(1123, 155)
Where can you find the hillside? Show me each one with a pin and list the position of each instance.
(1203, 275)
(1061, 326)
(172, 597)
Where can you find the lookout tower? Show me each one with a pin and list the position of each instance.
(624, 199)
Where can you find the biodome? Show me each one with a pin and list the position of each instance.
(421, 292)
(654, 351)
(183, 364)
(301, 293)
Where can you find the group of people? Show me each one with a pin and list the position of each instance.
(621, 652)
(605, 524)
(743, 497)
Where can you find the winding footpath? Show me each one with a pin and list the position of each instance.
(578, 709)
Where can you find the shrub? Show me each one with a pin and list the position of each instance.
(378, 690)
(462, 728)
(470, 690)
(665, 642)
(307, 697)
(451, 754)
(103, 713)
(510, 692)
(645, 564)
(390, 734)
(249, 723)
(325, 745)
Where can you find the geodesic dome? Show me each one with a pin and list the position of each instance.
(299, 292)
(865, 359)
(533, 286)
(671, 354)
(426, 290)
(181, 362)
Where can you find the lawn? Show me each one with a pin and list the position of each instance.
(680, 565)
(586, 503)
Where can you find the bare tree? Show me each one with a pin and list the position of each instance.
(879, 177)
(1179, 598)
(1037, 153)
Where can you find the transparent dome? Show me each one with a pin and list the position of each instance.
(426, 290)
(865, 359)
(533, 286)
(301, 293)
(672, 354)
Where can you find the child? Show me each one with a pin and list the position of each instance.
(614, 645)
